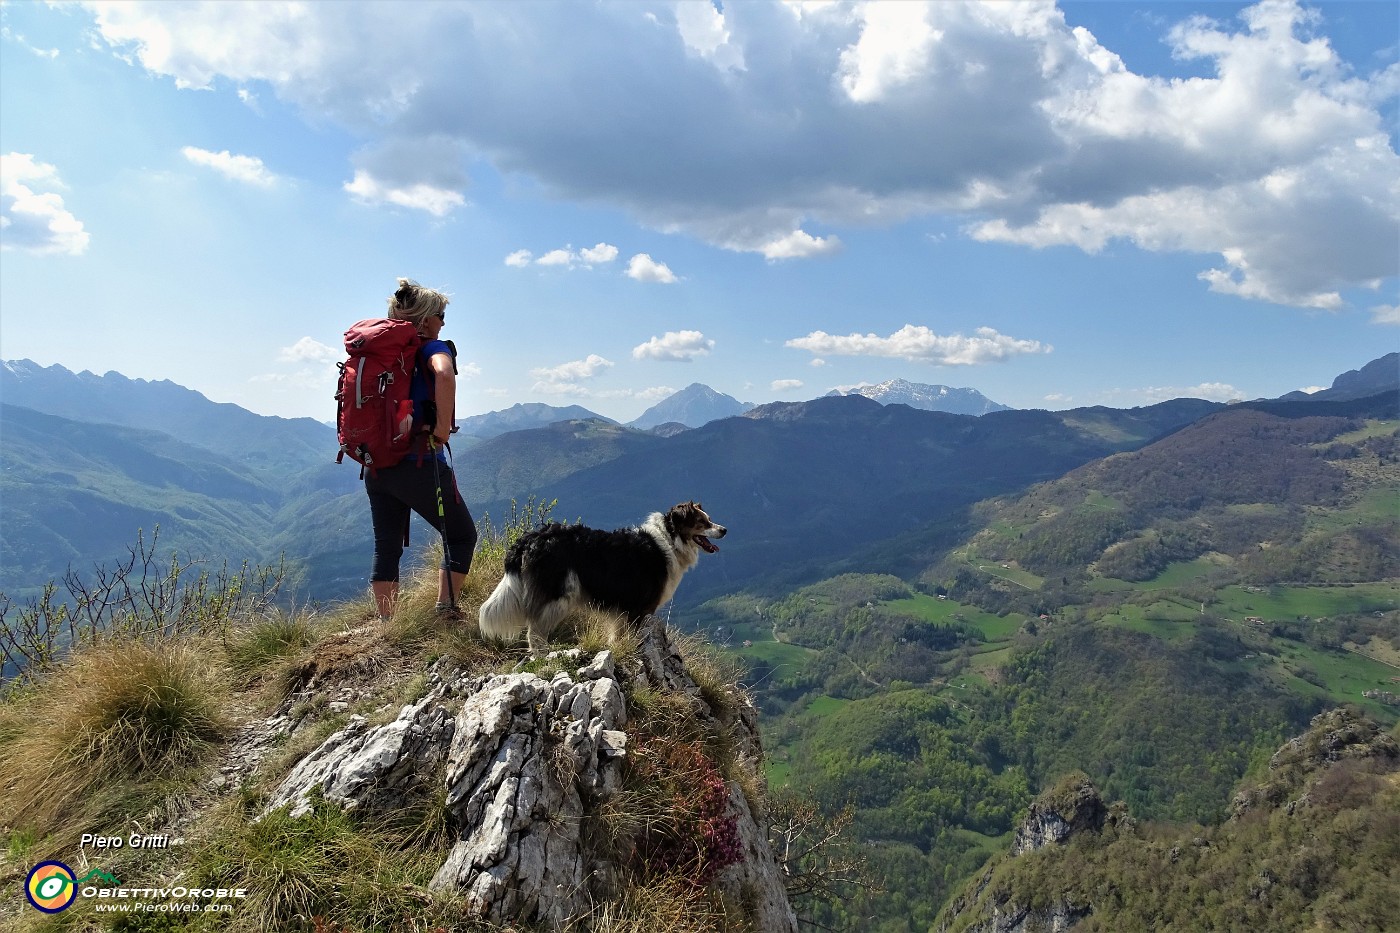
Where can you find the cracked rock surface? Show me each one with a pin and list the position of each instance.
(525, 760)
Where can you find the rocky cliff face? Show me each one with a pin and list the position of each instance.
(1073, 807)
(529, 763)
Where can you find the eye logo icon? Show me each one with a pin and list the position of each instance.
(51, 887)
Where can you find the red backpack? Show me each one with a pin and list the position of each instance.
(374, 414)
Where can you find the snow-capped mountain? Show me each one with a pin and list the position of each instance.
(927, 397)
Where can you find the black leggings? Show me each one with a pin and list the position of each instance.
(409, 485)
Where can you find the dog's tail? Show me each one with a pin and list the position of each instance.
(503, 614)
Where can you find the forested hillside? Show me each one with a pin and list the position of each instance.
(1160, 620)
(1312, 844)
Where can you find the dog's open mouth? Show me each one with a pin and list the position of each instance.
(706, 544)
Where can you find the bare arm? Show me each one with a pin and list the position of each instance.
(445, 394)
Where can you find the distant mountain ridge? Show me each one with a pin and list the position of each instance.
(802, 484)
(239, 435)
(1376, 376)
(963, 401)
(523, 417)
(694, 406)
(809, 481)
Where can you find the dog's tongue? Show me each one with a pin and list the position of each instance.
(705, 543)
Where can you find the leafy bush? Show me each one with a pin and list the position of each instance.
(141, 597)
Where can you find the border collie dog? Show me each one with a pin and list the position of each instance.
(556, 569)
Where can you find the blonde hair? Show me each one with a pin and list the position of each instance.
(415, 303)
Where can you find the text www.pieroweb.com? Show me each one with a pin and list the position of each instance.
(123, 907)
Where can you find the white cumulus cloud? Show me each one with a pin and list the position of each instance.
(573, 371)
(894, 48)
(565, 257)
(675, 346)
(920, 344)
(704, 32)
(1210, 391)
(308, 350)
(249, 170)
(603, 252)
(33, 218)
(421, 197)
(645, 269)
(1385, 314)
(786, 385)
(800, 245)
(556, 257)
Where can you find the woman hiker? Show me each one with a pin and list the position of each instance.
(423, 481)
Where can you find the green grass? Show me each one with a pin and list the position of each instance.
(1373, 505)
(987, 845)
(1165, 620)
(778, 654)
(823, 706)
(1095, 501)
(1292, 602)
(1022, 578)
(1338, 675)
(945, 611)
(111, 727)
(257, 645)
(1372, 428)
(1182, 573)
(988, 660)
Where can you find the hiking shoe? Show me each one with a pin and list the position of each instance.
(446, 613)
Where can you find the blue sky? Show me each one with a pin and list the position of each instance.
(1090, 203)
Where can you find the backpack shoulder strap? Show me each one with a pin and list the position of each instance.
(452, 351)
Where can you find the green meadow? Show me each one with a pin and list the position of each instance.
(1166, 619)
(1294, 602)
(946, 611)
(778, 654)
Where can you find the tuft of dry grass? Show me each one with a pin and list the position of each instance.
(715, 673)
(663, 906)
(115, 718)
(254, 647)
(599, 629)
(327, 865)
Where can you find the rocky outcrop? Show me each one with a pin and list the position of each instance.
(1021, 919)
(526, 760)
(1333, 735)
(528, 757)
(374, 767)
(1074, 806)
